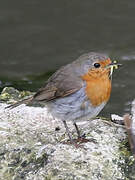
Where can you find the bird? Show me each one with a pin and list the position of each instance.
(77, 90)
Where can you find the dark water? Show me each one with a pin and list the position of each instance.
(38, 36)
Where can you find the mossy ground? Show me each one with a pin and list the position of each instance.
(32, 148)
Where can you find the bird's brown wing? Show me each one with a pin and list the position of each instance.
(62, 83)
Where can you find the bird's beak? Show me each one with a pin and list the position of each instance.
(112, 66)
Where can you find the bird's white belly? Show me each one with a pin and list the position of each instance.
(74, 107)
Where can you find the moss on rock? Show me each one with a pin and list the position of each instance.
(32, 148)
(12, 94)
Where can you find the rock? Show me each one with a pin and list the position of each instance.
(11, 94)
(32, 148)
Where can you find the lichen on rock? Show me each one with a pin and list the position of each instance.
(31, 147)
(10, 94)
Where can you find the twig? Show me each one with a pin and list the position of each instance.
(130, 131)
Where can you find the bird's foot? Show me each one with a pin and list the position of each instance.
(73, 142)
(79, 141)
(83, 139)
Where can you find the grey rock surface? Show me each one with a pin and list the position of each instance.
(32, 147)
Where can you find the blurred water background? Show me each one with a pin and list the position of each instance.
(39, 36)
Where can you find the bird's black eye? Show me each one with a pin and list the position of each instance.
(96, 65)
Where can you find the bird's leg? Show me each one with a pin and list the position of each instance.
(67, 131)
(80, 139)
(77, 130)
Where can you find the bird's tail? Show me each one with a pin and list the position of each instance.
(24, 101)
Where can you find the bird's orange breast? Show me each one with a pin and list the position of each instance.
(98, 87)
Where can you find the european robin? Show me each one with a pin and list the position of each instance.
(79, 89)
